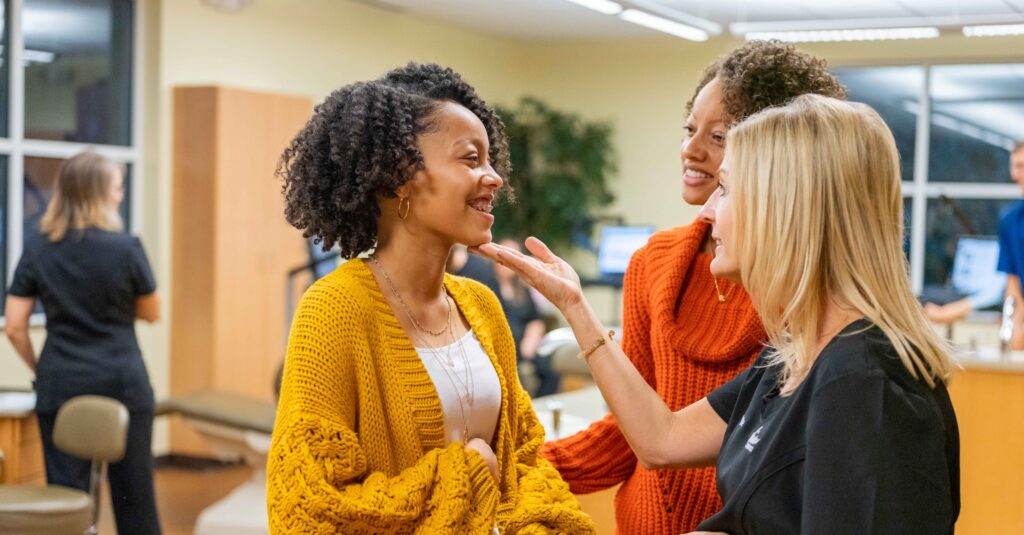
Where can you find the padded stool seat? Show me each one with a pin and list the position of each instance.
(49, 510)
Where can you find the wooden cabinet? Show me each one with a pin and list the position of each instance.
(22, 450)
(989, 404)
(231, 246)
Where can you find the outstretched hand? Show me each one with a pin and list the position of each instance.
(550, 275)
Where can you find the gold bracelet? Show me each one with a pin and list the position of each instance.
(584, 355)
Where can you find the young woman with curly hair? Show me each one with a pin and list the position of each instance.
(686, 331)
(843, 424)
(400, 408)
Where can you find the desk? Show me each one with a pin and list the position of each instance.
(20, 445)
(988, 396)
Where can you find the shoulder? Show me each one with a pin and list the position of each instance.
(675, 240)
(863, 350)
(346, 292)
(474, 293)
(108, 241)
(1012, 212)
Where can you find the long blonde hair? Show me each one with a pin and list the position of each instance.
(818, 215)
(80, 197)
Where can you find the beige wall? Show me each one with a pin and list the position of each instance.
(311, 47)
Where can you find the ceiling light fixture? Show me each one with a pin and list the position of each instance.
(997, 30)
(858, 34)
(601, 6)
(743, 28)
(661, 24)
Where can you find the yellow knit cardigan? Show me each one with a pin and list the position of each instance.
(359, 442)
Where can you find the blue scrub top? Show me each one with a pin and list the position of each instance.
(1011, 240)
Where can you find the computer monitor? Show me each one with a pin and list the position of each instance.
(617, 246)
(974, 269)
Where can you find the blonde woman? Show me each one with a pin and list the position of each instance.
(400, 409)
(843, 424)
(93, 281)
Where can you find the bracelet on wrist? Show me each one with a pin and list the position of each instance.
(584, 355)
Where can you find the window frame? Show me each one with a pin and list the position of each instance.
(16, 147)
(920, 190)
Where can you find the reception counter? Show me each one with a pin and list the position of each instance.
(21, 450)
(988, 395)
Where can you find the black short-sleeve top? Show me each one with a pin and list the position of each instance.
(860, 446)
(88, 284)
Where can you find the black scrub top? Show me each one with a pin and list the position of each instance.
(859, 447)
(88, 284)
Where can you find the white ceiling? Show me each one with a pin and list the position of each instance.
(560, 19)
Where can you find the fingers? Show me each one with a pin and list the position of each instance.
(540, 250)
(523, 265)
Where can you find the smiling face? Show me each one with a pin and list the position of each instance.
(718, 212)
(452, 196)
(704, 145)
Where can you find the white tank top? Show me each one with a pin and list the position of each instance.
(451, 379)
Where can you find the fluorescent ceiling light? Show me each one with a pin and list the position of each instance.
(657, 7)
(994, 30)
(864, 34)
(743, 28)
(602, 6)
(660, 24)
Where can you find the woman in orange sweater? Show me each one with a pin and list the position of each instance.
(400, 408)
(686, 331)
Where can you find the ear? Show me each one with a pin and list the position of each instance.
(405, 190)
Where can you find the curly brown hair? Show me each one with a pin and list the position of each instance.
(361, 144)
(763, 74)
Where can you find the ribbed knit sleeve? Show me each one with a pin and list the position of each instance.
(318, 480)
(599, 457)
(544, 503)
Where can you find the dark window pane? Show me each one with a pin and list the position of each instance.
(40, 178)
(893, 92)
(3, 229)
(5, 40)
(977, 114)
(78, 70)
(908, 212)
(948, 221)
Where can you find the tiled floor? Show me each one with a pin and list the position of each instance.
(181, 494)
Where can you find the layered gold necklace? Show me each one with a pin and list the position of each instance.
(464, 387)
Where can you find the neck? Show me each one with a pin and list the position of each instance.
(836, 315)
(416, 268)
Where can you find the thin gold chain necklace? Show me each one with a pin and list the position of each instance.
(408, 312)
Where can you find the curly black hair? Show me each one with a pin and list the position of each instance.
(361, 144)
(763, 74)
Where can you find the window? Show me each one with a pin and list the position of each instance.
(973, 115)
(67, 83)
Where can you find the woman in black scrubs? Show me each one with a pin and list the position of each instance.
(93, 281)
(843, 424)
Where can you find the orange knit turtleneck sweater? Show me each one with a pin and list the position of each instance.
(685, 343)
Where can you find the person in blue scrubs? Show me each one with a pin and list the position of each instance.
(1011, 245)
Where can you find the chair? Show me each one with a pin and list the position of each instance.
(93, 428)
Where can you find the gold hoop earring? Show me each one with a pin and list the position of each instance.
(408, 206)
